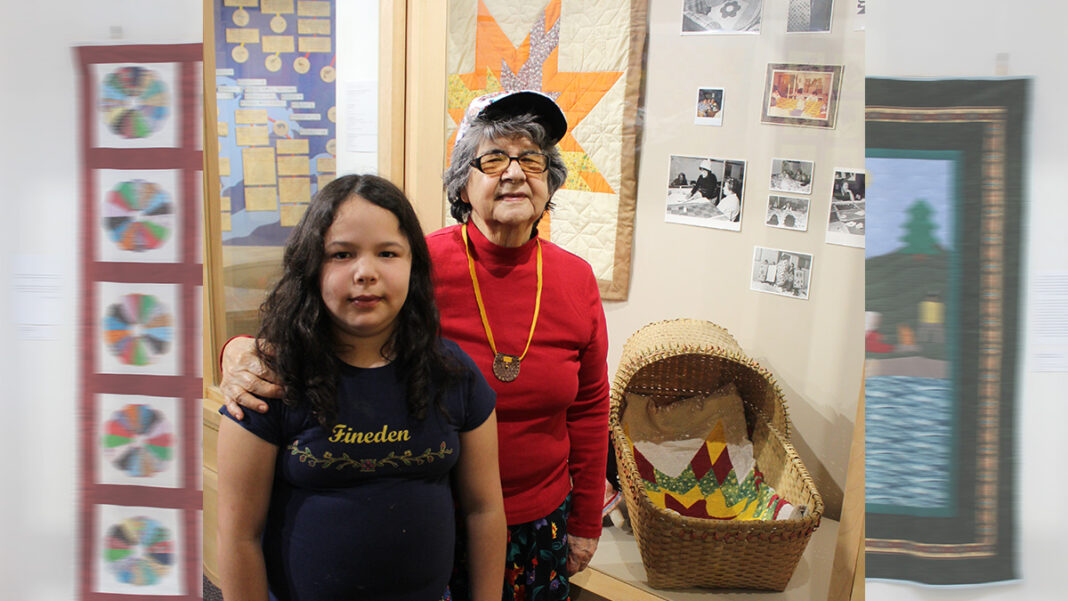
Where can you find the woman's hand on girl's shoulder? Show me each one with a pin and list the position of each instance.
(245, 378)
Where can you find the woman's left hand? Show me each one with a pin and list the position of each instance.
(579, 553)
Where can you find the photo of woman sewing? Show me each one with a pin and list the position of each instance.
(712, 196)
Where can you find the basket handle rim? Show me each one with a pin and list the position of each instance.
(622, 378)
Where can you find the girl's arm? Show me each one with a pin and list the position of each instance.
(482, 505)
(246, 474)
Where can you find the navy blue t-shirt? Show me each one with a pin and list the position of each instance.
(365, 510)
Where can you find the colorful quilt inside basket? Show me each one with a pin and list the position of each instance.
(712, 475)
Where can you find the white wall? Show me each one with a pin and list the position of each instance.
(39, 164)
(814, 347)
(908, 38)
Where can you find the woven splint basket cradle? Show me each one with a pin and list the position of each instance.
(672, 360)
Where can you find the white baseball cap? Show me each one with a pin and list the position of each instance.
(498, 105)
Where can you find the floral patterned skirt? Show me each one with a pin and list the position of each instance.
(535, 567)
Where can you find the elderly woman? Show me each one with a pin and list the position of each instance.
(529, 313)
(706, 185)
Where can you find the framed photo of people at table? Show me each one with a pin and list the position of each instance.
(802, 95)
(792, 176)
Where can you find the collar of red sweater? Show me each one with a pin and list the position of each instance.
(486, 252)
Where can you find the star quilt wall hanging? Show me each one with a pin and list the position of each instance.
(587, 57)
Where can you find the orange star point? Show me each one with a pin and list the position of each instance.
(576, 93)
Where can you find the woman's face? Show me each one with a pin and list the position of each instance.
(506, 204)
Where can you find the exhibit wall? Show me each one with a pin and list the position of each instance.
(812, 346)
(986, 40)
(39, 242)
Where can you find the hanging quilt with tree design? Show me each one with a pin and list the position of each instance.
(945, 214)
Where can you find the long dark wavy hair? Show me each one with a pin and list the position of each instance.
(295, 338)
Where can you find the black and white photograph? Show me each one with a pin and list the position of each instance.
(705, 191)
(809, 16)
(709, 17)
(709, 107)
(791, 175)
(788, 213)
(781, 272)
(845, 221)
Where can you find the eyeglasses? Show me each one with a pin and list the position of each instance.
(496, 162)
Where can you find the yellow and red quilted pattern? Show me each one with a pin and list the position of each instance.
(709, 487)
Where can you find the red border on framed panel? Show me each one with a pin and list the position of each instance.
(174, 570)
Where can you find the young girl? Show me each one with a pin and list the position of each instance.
(343, 491)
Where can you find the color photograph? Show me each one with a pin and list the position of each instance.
(709, 106)
(802, 95)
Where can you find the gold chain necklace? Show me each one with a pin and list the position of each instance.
(505, 366)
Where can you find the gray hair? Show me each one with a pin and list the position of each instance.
(481, 129)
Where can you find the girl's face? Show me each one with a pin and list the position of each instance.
(364, 278)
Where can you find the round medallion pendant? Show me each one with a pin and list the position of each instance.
(506, 367)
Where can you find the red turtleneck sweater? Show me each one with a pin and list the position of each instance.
(553, 419)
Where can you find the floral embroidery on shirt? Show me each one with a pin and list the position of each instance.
(328, 459)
